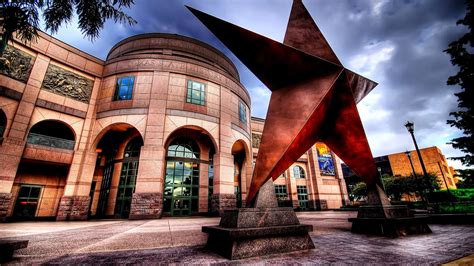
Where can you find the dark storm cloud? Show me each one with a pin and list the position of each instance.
(396, 43)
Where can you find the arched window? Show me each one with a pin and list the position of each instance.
(52, 133)
(183, 148)
(298, 172)
(181, 195)
(133, 148)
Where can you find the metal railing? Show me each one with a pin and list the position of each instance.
(49, 141)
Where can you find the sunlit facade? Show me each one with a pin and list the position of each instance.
(162, 127)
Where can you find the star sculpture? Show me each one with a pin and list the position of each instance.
(313, 98)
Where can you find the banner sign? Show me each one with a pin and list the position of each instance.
(326, 164)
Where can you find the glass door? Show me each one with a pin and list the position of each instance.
(27, 201)
(126, 188)
(181, 188)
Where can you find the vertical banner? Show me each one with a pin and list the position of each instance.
(326, 164)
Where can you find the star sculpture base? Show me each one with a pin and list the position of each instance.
(262, 230)
(389, 220)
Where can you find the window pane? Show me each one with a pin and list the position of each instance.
(124, 88)
(196, 93)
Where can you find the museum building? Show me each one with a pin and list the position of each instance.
(162, 127)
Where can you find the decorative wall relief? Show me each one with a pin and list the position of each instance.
(256, 138)
(16, 64)
(66, 83)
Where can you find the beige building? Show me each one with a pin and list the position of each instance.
(408, 163)
(161, 127)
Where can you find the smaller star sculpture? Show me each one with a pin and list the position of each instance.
(313, 98)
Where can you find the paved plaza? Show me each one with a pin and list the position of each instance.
(179, 240)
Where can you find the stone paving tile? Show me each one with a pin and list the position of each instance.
(180, 241)
(334, 248)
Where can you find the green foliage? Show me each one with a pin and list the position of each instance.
(453, 201)
(21, 16)
(396, 186)
(458, 195)
(457, 207)
(467, 176)
(461, 56)
(359, 191)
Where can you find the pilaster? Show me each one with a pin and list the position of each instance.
(13, 145)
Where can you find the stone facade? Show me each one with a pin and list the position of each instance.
(5, 199)
(73, 208)
(146, 206)
(85, 137)
(222, 202)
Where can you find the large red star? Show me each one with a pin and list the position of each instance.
(313, 98)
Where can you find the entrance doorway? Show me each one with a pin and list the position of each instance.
(105, 184)
(27, 202)
(181, 195)
(128, 178)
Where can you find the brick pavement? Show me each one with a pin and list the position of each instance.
(180, 241)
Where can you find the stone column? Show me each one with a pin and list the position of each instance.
(13, 145)
(223, 197)
(147, 201)
(341, 181)
(292, 191)
(75, 202)
(203, 181)
(319, 204)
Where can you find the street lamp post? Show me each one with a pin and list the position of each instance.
(411, 128)
(411, 162)
(379, 169)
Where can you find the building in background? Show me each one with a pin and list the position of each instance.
(161, 127)
(314, 182)
(407, 163)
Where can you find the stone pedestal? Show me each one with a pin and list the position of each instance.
(146, 206)
(389, 220)
(73, 208)
(262, 230)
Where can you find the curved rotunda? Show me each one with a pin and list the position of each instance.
(162, 127)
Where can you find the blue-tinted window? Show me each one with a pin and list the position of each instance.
(242, 112)
(124, 88)
(196, 93)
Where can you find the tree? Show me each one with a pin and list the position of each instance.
(461, 56)
(397, 186)
(359, 191)
(21, 16)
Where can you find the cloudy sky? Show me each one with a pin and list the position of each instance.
(398, 43)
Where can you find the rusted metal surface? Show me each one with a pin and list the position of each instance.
(313, 98)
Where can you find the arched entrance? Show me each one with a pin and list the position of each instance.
(116, 171)
(238, 152)
(189, 172)
(42, 172)
(182, 177)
